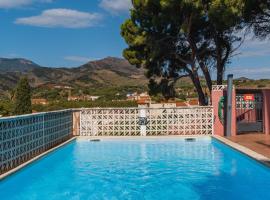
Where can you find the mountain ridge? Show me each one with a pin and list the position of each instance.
(16, 65)
(110, 71)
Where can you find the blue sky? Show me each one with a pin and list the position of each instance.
(66, 33)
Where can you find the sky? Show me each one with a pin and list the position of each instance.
(68, 33)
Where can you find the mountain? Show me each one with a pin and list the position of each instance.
(16, 65)
(243, 79)
(109, 71)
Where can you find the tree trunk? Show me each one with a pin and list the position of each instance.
(196, 81)
(207, 77)
(219, 75)
(219, 66)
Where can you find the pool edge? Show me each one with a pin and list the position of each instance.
(141, 137)
(244, 150)
(23, 165)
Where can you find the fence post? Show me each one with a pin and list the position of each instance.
(229, 106)
(142, 121)
(43, 131)
(80, 125)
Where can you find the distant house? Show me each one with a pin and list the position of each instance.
(83, 98)
(170, 104)
(162, 105)
(75, 98)
(39, 101)
(142, 98)
(62, 87)
(193, 102)
(91, 98)
(132, 96)
(180, 104)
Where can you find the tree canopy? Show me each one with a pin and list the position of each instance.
(172, 39)
(23, 98)
(256, 14)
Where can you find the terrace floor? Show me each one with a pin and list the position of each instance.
(257, 142)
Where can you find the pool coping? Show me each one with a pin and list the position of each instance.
(140, 137)
(242, 149)
(21, 166)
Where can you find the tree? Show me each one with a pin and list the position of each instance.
(172, 39)
(256, 14)
(6, 107)
(23, 98)
(224, 22)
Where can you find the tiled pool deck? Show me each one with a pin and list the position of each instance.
(259, 143)
(256, 146)
(244, 149)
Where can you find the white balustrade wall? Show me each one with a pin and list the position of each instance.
(24, 137)
(146, 121)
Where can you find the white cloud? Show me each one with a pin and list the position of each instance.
(116, 6)
(64, 18)
(79, 59)
(19, 3)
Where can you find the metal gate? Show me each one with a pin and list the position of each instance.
(249, 108)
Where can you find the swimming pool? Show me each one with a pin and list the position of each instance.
(141, 169)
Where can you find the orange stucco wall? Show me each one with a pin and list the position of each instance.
(218, 126)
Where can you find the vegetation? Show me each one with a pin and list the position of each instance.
(58, 98)
(22, 103)
(6, 107)
(256, 16)
(184, 90)
(175, 39)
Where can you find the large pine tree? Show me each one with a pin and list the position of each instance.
(173, 39)
(23, 98)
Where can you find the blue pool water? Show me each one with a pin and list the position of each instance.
(141, 169)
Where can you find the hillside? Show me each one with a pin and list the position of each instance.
(105, 72)
(16, 65)
(95, 77)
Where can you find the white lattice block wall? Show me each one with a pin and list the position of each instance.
(180, 121)
(158, 121)
(109, 122)
(219, 87)
(24, 137)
